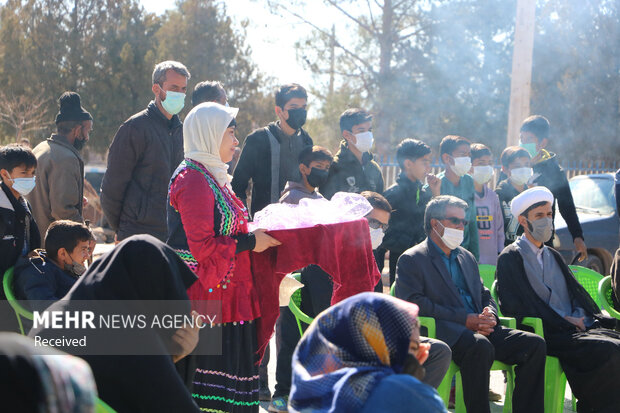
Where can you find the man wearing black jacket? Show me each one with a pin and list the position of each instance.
(534, 137)
(146, 150)
(270, 154)
(534, 281)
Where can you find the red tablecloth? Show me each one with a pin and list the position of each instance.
(342, 250)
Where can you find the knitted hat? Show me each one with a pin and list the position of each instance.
(71, 109)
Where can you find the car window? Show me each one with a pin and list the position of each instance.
(593, 195)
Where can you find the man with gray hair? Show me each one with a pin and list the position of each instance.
(442, 278)
(142, 157)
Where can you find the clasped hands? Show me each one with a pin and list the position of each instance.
(482, 323)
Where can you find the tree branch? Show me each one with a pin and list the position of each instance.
(356, 20)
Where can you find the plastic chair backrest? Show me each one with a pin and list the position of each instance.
(487, 273)
(589, 279)
(294, 304)
(604, 293)
(103, 407)
(20, 311)
(392, 289)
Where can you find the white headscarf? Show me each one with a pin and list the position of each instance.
(203, 130)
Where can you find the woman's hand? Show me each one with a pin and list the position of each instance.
(187, 338)
(264, 241)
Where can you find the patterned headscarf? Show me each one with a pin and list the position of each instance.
(348, 350)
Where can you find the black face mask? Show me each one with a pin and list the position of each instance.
(317, 177)
(296, 118)
(412, 367)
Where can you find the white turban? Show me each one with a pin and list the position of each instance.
(528, 198)
(203, 130)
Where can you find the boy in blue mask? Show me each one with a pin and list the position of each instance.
(19, 234)
(534, 137)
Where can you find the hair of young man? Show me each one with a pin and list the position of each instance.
(12, 156)
(160, 70)
(511, 154)
(532, 207)
(411, 149)
(288, 92)
(65, 234)
(537, 125)
(207, 91)
(315, 153)
(450, 143)
(66, 127)
(436, 209)
(478, 150)
(377, 201)
(353, 117)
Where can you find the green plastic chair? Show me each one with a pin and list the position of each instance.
(604, 293)
(453, 369)
(20, 311)
(487, 273)
(294, 304)
(555, 379)
(103, 407)
(589, 279)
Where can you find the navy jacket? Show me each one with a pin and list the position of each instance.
(422, 278)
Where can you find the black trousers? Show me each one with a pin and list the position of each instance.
(474, 354)
(591, 361)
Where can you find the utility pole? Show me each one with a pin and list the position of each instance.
(332, 63)
(521, 81)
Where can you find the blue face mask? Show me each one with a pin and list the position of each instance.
(530, 148)
(174, 102)
(23, 185)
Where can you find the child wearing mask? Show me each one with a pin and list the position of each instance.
(455, 153)
(489, 216)
(408, 198)
(534, 137)
(19, 234)
(516, 165)
(314, 163)
(354, 169)
(49, 274)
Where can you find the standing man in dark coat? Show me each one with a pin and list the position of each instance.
(270, 155)
(142, 157)
(442, 278)
(354, 169)
(534, 281)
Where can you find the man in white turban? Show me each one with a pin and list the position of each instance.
(534, 281)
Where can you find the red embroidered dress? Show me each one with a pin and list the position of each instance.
(211, 215)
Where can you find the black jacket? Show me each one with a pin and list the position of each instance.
(553, 177)
(39, 279)
(506, 192)
(142, 157)
(12, 230)
(518, 299)
(347, 174)
(255, 164)
(408, 200)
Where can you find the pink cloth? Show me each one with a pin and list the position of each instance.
(342, 250)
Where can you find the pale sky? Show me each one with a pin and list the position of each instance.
(272, 38)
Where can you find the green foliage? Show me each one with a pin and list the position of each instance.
(106, 50)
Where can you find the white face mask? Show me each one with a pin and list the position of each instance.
(461, 166)
(452, 237)
(23, 185)
(376, 237)
(520, 176)
(363, 141)
(483, 174)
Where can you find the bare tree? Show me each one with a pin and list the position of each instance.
(23, 114)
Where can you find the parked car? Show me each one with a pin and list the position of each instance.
(597, 211)
(94, 175)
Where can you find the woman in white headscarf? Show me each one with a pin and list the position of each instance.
(207, 226)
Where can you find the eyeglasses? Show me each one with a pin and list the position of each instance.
(456, 221)
(375, 223)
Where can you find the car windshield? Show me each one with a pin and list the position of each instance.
(593, 195)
